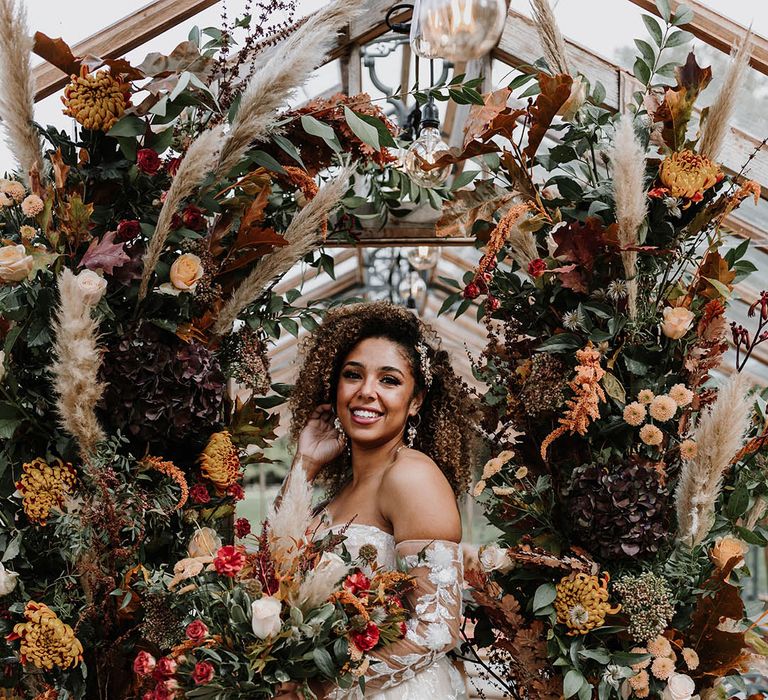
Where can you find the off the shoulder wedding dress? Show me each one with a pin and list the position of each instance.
(416, 667)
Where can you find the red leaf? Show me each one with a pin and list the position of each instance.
(555, 91)
(57, 53)
(105, 254)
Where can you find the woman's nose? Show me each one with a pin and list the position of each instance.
(368, 388)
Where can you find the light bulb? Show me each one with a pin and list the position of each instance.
(460, 30)
(419, 45)
(422, 257)
(412, 289)
(426, 150)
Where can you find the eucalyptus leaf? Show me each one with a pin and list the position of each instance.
(545, 595)
(572, 683)
(652, 25)
(364, 131)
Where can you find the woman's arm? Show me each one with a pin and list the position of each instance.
(417, 499)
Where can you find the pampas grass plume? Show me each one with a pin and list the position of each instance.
(628, 161)
(290, 517)
(17, 96)
(716, 124)
(719, 434)
(199, 160)
(287, 68)
(549, 34)
(76, 365)
(301, 235)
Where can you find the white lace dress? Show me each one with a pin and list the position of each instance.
(416, 667)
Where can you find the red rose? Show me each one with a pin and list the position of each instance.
(149, 695)
(193, 218)
(492, 303)
(165, 668)
(366, 640)
(403, 629)
(357, 583)
(172, 166)
(199, 493)
(471, 291)
(127, 230)
(176, 221)
(236, 491)
(148, 161)
(242, 527)
(203, 672)
(536, 268)
(144, 663)
(166, 690)
(229, 560)
(197, 631)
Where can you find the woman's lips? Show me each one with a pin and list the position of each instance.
(365, 417)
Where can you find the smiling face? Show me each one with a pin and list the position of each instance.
(375, 392)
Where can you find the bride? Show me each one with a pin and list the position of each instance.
(381, 419)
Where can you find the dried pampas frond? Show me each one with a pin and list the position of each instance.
(321, 582)
(199, 160)
(302, 234)
(17, 96)
(549, 34)
(715, 127)
(288, 67)
(719, 435)
(628, 161)
(290, 517)
(75, 369)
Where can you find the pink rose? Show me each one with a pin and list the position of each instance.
(165, 668)
(203, 673)
(144, 663)
(197, 631)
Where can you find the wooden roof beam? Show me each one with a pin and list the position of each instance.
(120, 37)
(716, 30)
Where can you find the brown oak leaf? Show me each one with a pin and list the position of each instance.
(104, 254)
(555, 90)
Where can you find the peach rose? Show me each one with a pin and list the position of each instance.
(15, 264)
(92, 286)
(575, 100)
(186, 272)
(204, 543)
(727, 548)
(677, 321)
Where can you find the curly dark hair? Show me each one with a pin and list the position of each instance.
(447, 427)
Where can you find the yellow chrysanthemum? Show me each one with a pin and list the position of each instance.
(46, 641)
(96, 100)
(634, 413)
(651, 435)
(219, 462)
(582, 603)
(681, 395)
(688, 449)
(688, 175)
(659, 647)
(645, 396)
(45, 487)
(663, 408)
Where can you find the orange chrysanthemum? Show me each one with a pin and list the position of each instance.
(220, 462)
(96, 100)
(345, 597)
(46, 641)
(582, 603)
(687, 175)
(584, 407)
(173, 472)
(45, 487)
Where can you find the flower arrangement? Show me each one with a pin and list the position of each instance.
(628, 485)
(273, 609)
(137, 267)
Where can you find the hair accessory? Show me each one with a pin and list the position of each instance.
(425, 362)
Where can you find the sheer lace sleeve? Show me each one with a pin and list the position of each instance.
(435, 604)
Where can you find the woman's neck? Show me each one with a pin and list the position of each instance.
(367, 461)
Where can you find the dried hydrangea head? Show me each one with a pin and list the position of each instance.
(220, 462)
(45, 487)
(46, 641)
(647, 602)
(96, 100)
(582, 603)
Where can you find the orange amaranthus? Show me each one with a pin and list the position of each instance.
(173, 472)
(584, 407)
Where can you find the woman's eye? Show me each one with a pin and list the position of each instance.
(391, 380)
(349, 374)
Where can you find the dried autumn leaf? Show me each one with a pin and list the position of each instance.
(60, 170)
(57, 53)
(492, 118)
(677, 106)
(75, 220)
(104, 254)
(468, 206)
(185, 57)
(714, 267)
(555, 90)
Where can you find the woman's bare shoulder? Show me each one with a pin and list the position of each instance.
(417, 499)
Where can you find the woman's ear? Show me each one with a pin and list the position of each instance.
(416, 402)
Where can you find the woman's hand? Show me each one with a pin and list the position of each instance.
(319, 442)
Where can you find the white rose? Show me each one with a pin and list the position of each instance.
(679, 687)
(331, 565)
(265, 616)
(493, 558)
(7, 580)
(15, 264)
(92, 286)
(677, 321)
